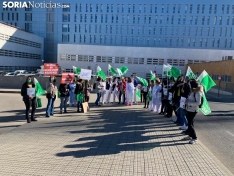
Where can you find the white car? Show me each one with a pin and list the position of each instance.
(10, 74)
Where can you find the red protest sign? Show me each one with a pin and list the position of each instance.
(51, 69)
(67, 78)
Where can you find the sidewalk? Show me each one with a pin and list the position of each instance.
(109, 140)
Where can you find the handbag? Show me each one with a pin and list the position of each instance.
(39, 103)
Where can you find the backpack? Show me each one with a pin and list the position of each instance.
(94, 86)
(200, 106)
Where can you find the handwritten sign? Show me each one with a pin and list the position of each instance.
(51, 69)
(85, 74)
(31, 92)
(67, 78)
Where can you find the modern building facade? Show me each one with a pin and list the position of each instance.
(139, 60)
(158, 24)
(19, 50)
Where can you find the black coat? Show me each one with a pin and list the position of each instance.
(24, 92)
(64, 90)
(79, 88)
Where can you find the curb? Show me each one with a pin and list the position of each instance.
(6, 91)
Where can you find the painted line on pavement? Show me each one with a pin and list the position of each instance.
(230, 133)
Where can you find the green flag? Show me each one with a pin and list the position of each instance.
(144, 81)
(112, 70)
(80, 97)
(152, 76)
(175, 72)
(138, 94)
(166, 71)
(101, 73)
(124, 70)
(205, 109)
(190, 74)
(76, 70)
(39, 90)
(205, 80)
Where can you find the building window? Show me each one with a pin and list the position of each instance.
(65, 37)
(215, 20)
(28, 27)
(203, 8)
(162, 8)
(66, 17)
(198, 8)
(223, 6)
(194, 42)
(196, 19)
(228, 18)
(106, 18)
(220, 20)
(172, 19)
(213, 42)
(210, 9)
(215, 9)
(80, 7)
(95, 18)
(184, 20)
(218, 43)
(208, 20)
(185, 8)
(201, 42)
(156, 8)
(101, 8)
(213, 31)
(85, 19)
(203, 20)
(230, 43)
(167, 8)
(191, 19)
(220, 31)
(65, 28)
(179, 19)
(67, 8)
(28, 16)
(191, 8)
(206, 41)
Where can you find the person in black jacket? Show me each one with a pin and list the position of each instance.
(169, 99)
(29, 100)
(164, 97)
(79, 90)
(64, 96)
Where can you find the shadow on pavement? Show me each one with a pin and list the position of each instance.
(117, 130)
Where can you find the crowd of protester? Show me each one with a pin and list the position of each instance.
(162, 97)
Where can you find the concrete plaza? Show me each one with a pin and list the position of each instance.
(108, 140)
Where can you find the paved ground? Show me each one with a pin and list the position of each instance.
(109, 140)
(216, 130)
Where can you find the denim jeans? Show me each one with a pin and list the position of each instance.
(98, 98)
(79, 104)
(178, 113)
(50, 106)
(63, 103)
(183, 117)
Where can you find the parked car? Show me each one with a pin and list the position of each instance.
(10, 74)
(2, 73)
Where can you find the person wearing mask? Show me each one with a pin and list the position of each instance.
(164, 97)
(177, 96)
(79, 92)
(130, 90)
(108, 90)
(122, 90)
(98, 89)
(72, 86)
(51, 95)
(114, 89)
(64, 90)
(145, 90)
(192, 107)
(29, 99)
(169, 99)
(157, 96)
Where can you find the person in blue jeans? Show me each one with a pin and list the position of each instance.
(79, 91)
(51, 95)
(64, 96)
(98, 90)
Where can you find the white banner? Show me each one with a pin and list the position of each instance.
(85, 74)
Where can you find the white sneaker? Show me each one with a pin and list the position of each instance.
(183, 127)
(193, 141)
(187, 138)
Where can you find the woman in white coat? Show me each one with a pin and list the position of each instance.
(130, 92)
(156, 96)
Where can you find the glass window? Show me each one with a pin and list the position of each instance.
(65, 37)
(28, 27)
(28, 17)
(66, 8)
(65, 27)
(66, 17)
